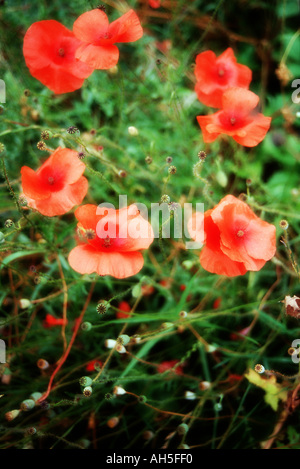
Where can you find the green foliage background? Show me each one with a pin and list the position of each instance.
(153, 91)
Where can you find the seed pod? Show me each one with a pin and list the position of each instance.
(88, 391)
(27, 405)
(259, 368)
(85, 381)
(42, 364)
(86, 326)
(123, 339)
(35, 396)
(182, 429)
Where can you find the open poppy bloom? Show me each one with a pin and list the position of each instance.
(237, 118)
(154, 3)
(113, 239)
(235, 239)
(215, 75)
(93, 365)
(98, 37)
(58, 185)
(51, 321)
(168, 365)
(49, 51)
(124, 310)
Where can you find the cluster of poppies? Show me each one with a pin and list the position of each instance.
(110, 241)
(62, 59)
(223, 83)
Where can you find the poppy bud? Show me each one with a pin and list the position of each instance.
(118, 391)
(122, 173)
(133, 131)
(24, 303)
(113, 422)
(110, 343)
(2, 147)
(12, 415)
(190, 396)
(203, 385)
(148, 435)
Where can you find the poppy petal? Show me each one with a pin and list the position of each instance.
(216, 262)
(98, 57)
(63, 201)
(254, 132)
(32, 185)
(86, 260)
(239, 100)
(57, 79)
(66, 161)
(127, 28)
(90, 26)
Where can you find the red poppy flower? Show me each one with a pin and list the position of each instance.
(236, 240)
(99, 37)
(91, 365)
(124, 309)
(168, 365)
(215, 75)
(51, 321)
(113, 241)
(154, 3)
(237, 119)
(241, 334)
(58, 185)
(49, 51)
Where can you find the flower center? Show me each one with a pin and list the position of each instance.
(106, 242)
(240, 234)
(232, 120)
(51, 180)
(221, 72)
(61, 52)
